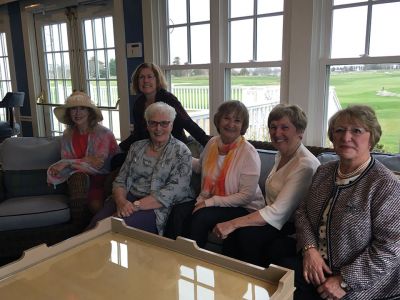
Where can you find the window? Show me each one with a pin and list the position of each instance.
(5, 57)
(255, 30)
(255, 42)
(223, 50)
(188, 56)
(76, 51)
(5, 78)
(368, 72)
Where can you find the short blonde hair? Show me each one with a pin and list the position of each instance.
(294, 113)
(362, 114)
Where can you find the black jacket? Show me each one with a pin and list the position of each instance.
(182, 121)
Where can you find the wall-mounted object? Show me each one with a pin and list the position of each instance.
(133, 50)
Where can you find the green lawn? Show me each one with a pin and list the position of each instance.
(362, 88)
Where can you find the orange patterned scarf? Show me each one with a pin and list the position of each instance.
(214, 184)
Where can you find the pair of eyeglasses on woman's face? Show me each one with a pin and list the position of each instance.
(355, 131)
(163, 124)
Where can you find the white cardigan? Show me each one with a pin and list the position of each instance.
(286, 187)
(241, 182)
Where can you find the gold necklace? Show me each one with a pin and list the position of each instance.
(157, 148)
(355, 172)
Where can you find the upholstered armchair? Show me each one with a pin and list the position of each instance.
(31, 211)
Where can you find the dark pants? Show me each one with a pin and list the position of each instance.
(304, 291)
(204, 220)
(178, 223)
(260, 245)
(142, 219)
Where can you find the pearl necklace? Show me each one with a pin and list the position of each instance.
(353, 173)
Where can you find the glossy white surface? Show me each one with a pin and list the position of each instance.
(113, 266)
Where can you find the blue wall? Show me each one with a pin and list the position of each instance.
(133, 33)
(20, 63)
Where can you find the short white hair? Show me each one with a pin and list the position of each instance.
(162, 108)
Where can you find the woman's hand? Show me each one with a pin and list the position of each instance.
(125, 208)
(222, 230)
(314, 267)
(57, 168)
(95, 162)
(331, 289)
(199, 205)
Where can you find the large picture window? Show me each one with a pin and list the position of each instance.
(76, 51)
(368, 71)
(5, 70)
(5, 77)
(224, 50)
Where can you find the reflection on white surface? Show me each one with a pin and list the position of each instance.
(255, 292)
(204, 293)
(186, 290)
(119, 253)
(205, 276)
(196, 283)
(187, 272)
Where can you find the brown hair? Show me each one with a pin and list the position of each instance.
(233, 106)
(92, 118)
(158, 73)
(295, 114)
(361, 113)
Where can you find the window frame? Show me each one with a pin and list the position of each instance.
(219, 67)
(325, 62)
(5, 28)
(31, 57)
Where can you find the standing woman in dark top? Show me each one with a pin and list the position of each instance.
(149, 82)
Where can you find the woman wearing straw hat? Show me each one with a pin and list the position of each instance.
(86, 147)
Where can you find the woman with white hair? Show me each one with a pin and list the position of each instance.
(86, 148)
(154, 177)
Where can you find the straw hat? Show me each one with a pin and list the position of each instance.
(76, 99)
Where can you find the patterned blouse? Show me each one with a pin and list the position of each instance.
(167, 179)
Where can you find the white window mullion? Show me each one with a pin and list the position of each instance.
(219, 54)
(7, 72)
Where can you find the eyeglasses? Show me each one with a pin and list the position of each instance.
(149, 77)
(163, 124)
(355, 131)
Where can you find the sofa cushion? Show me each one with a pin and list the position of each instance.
(267, 162)
(32, 212)
(42, 153)
(392, 162)
(29, 183)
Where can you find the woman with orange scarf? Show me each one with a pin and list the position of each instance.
(230, 169)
